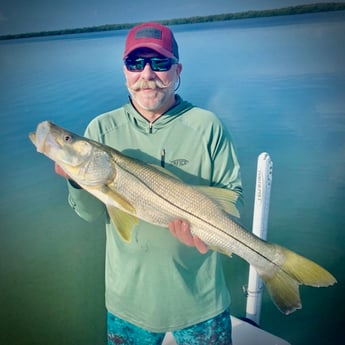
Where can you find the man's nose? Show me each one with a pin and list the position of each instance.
(147, 72)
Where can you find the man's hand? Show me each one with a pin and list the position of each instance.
(181, 230)
(60, 172)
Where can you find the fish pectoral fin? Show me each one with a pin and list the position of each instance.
(227, 198)
(123, 217)
(119, 200)
(124, 222)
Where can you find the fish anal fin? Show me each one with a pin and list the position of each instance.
(227, 198)
(124, 222)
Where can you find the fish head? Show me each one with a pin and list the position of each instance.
(81, 158)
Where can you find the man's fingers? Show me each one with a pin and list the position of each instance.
(200, 245)
(181, 230)
(60, 171)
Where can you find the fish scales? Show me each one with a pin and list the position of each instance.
(143, 187)
(147, 193)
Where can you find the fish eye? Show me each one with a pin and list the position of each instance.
(67, 138)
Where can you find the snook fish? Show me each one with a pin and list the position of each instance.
(133, 190)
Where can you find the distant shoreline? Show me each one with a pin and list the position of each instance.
(292, 10)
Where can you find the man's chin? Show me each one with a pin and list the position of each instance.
(149, 100)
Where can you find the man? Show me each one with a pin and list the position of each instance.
(162, 281)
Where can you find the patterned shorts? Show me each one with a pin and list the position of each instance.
(215, 331)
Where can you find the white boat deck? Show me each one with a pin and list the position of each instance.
(243, 333)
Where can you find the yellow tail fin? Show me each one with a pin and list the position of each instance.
(296, 270)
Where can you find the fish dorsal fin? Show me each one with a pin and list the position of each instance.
(225, 197)
(124, 222)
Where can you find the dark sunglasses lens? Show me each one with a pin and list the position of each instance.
(135, 64)
(156, 64)
(160, 64)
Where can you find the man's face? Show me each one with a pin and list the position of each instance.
(150, 90)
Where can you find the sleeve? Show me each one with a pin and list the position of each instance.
(82, 202)
(226, 168)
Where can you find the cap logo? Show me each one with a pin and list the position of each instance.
(149, 33)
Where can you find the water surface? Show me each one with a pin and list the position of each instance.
(279, 86)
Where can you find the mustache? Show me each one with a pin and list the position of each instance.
(149, 84)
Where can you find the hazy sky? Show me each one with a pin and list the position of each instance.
(18, 16)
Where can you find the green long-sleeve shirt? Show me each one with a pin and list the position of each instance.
(155, 281)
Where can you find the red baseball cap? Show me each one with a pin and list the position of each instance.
(154, 36)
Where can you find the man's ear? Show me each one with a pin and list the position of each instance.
(179, 69)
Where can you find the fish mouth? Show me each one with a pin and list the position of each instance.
(32, 136)
(41, 137)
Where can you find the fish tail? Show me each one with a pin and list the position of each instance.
(283, 284)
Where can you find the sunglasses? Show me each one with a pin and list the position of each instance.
(156, 64)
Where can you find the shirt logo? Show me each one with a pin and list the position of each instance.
(179, 162)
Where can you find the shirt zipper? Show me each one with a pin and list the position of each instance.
(163, 150)
(150, 127)
(163, 158)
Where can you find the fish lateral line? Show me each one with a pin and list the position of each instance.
(229, 217)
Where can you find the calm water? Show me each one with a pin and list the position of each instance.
(277, 83)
